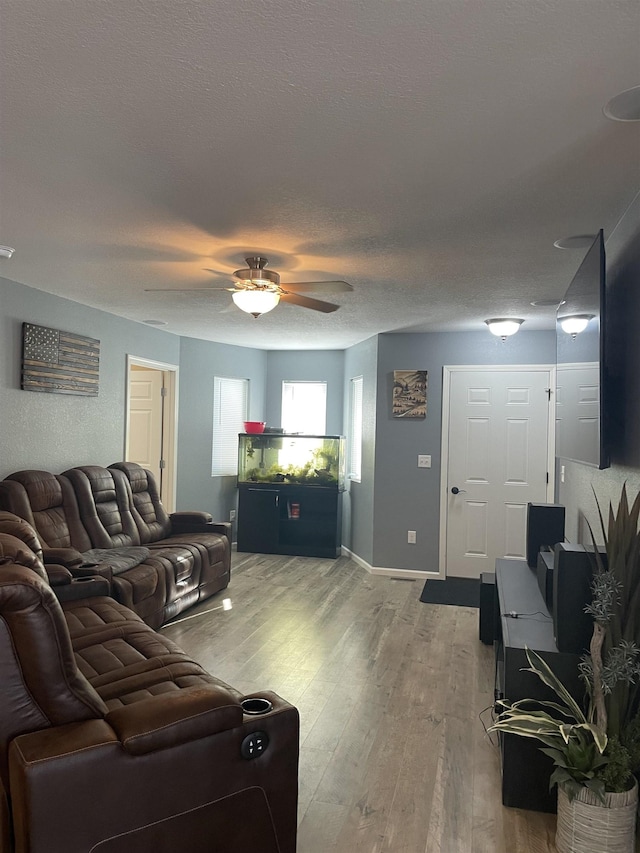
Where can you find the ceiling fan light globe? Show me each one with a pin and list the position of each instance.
(256, 302)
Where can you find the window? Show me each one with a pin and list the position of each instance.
(304, 407)
(355, 430)
(230, 407)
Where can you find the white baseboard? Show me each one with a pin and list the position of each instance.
(409, 574)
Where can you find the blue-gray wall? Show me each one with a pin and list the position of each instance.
(57, 431)
(408, 497)
(306, 366)
(357, 526)
(200, 361)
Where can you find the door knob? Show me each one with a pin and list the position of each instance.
(456, 491)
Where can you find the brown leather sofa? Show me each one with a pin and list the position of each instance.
(111, 522)
(112, 740)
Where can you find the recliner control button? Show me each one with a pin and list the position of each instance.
(254, 745)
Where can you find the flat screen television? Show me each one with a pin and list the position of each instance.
(581, 386)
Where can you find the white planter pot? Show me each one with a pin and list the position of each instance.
(586, 825)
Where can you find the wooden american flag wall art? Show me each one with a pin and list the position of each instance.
(59, 362)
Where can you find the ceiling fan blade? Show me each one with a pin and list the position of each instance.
(206, 289)
(307, 302)
(318, 286)
(218, 272)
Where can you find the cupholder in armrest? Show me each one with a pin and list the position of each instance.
(256, 705)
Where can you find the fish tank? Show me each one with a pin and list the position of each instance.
(308, 460)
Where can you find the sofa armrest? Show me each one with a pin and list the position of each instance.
(67, 557)
(191, 517)
(58, 575)
(173, 719)
(83, 587)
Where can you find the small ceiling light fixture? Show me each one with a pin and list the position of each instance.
(577, 241)
(256, 302)
(625, 106)
(502, 327)
(573, 324)
(6, 252)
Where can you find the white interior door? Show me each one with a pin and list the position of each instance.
(497, 461)
(151, 435)
(145, 419)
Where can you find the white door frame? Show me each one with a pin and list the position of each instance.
(170, 420)
(447, 370)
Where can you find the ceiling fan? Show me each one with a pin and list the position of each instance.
(257, 290)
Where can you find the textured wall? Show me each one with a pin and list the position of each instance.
(357, 526)
(408, 498)
(306, 366)
(200, 361)
(57, 431)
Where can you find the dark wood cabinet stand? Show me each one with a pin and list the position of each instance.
(300, 520)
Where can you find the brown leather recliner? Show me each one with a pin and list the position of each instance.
(112, 740)
(110, 521)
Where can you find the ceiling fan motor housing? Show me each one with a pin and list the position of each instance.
(256, 276)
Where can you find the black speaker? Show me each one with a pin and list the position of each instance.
(544, 570)
(488, 608)
(572, 572)
(545, 526)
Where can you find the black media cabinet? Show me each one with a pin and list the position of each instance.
(525, 769)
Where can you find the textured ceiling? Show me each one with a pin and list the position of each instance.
(429, 152)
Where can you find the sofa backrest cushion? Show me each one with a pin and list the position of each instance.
(15, 550)
(22, 530)
(105, 507)
(150, 516)
(48, 503)
(41, 684)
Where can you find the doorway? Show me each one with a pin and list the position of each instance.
(151, 422)
(497, 456)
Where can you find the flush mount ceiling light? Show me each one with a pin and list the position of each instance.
(573, 324)
(625, 106)
(6, 252)
(256, 302)
(502, 327)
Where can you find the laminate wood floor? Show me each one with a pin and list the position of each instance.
(394, 757)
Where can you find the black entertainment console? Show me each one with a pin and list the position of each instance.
(525, 769)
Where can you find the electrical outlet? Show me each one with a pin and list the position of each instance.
(411, 537)
(232, 515)
(424, 460)
(562, 473)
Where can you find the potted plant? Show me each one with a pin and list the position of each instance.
(596, 750)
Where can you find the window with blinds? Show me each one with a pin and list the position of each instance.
(355, 429)
(230, 408)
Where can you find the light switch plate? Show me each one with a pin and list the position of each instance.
(424, 461)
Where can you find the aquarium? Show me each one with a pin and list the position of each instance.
(309, 460)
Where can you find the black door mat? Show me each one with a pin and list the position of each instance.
(465, 592)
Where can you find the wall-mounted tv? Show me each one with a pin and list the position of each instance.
(581, 387)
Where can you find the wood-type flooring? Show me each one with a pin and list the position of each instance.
(394, 757)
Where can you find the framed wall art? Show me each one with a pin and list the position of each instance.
(59, 362)
(409, 397)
